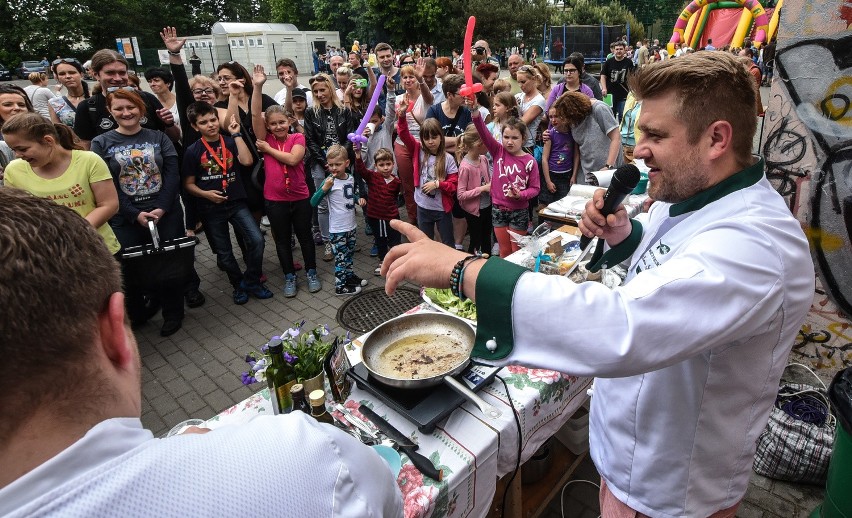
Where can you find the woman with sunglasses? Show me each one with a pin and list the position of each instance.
(144, 167)
(417, 97)
(327, 123)
(63, 108)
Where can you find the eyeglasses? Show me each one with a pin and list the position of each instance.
(226, 78)
(207, 91)
(112, 89)
(407, 63)
(571, 71)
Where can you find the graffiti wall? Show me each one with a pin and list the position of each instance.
(807, 136)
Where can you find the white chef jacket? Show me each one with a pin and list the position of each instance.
(287, 465)
(688, 352)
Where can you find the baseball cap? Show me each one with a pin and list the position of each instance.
(301, 93)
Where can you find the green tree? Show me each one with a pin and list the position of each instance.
(585, 12)
(34, 28)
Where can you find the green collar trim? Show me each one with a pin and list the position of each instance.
(745, 178)
(619, 252)
(495, 287)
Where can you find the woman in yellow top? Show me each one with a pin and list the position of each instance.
(49, 166)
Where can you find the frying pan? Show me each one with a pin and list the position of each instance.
(452, 336)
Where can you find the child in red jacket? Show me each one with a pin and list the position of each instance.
(383, 189)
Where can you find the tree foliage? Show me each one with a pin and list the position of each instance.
(586, 12)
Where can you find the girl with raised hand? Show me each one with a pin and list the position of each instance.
(51, 165)
(515, 179)
(285, 190)
(417, 98)
(436, 176)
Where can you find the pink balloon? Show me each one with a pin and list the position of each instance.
(469, 88)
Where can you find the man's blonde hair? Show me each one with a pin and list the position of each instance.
(710, 87)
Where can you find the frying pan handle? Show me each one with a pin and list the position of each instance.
(489, 411)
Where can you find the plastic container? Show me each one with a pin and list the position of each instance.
(574, 434)
(608, 100)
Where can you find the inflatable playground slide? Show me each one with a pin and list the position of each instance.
(726, 22)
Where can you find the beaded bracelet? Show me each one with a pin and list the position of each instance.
(457, 275)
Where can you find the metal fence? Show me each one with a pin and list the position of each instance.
(591, 40)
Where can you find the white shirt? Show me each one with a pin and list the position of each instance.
(688, 353)
(281, 96)
(341, 205)
(272, 466)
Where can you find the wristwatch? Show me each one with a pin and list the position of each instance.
(607, 166)
(235, 135)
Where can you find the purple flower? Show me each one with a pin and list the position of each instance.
(265, 349)
(247, 378)
(250, 358)
(290, 358)
(293, 332)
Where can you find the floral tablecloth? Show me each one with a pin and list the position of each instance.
(472, 449)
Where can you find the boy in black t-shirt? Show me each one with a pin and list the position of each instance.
(209, 173)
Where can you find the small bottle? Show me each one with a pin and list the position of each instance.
(318, 410)
(297, 393)
(280, 377)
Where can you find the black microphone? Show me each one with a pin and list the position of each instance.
(624, 180)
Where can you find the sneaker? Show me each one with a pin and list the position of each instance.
(240, 296)
(346, 289)
(194, 299)
(354, 280)
(374, 252)
(317, 236)
(264, 221)
(327, 256)
(257, 291)
(378, 270)
(314, 284)
(495, 250)
(290, 285)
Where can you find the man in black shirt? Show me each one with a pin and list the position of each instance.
(614, 78)
(93, 118)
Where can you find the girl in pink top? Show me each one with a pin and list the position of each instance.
(514, 182)
(285, 191)
(474, 189)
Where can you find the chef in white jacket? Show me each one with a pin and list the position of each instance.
(687, 353)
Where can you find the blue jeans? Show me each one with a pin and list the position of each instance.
(618, 109)
(215, 219)
(426, 220)
(319, 174)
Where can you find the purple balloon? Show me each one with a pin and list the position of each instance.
(358, 137)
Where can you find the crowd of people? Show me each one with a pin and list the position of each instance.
(213, 153)
(216, 154)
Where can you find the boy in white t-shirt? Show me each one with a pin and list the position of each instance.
(339, 186)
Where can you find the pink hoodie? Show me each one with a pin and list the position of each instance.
(520, 172)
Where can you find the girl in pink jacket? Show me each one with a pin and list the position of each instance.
(474, 189)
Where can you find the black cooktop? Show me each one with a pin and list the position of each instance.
(424, 407)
